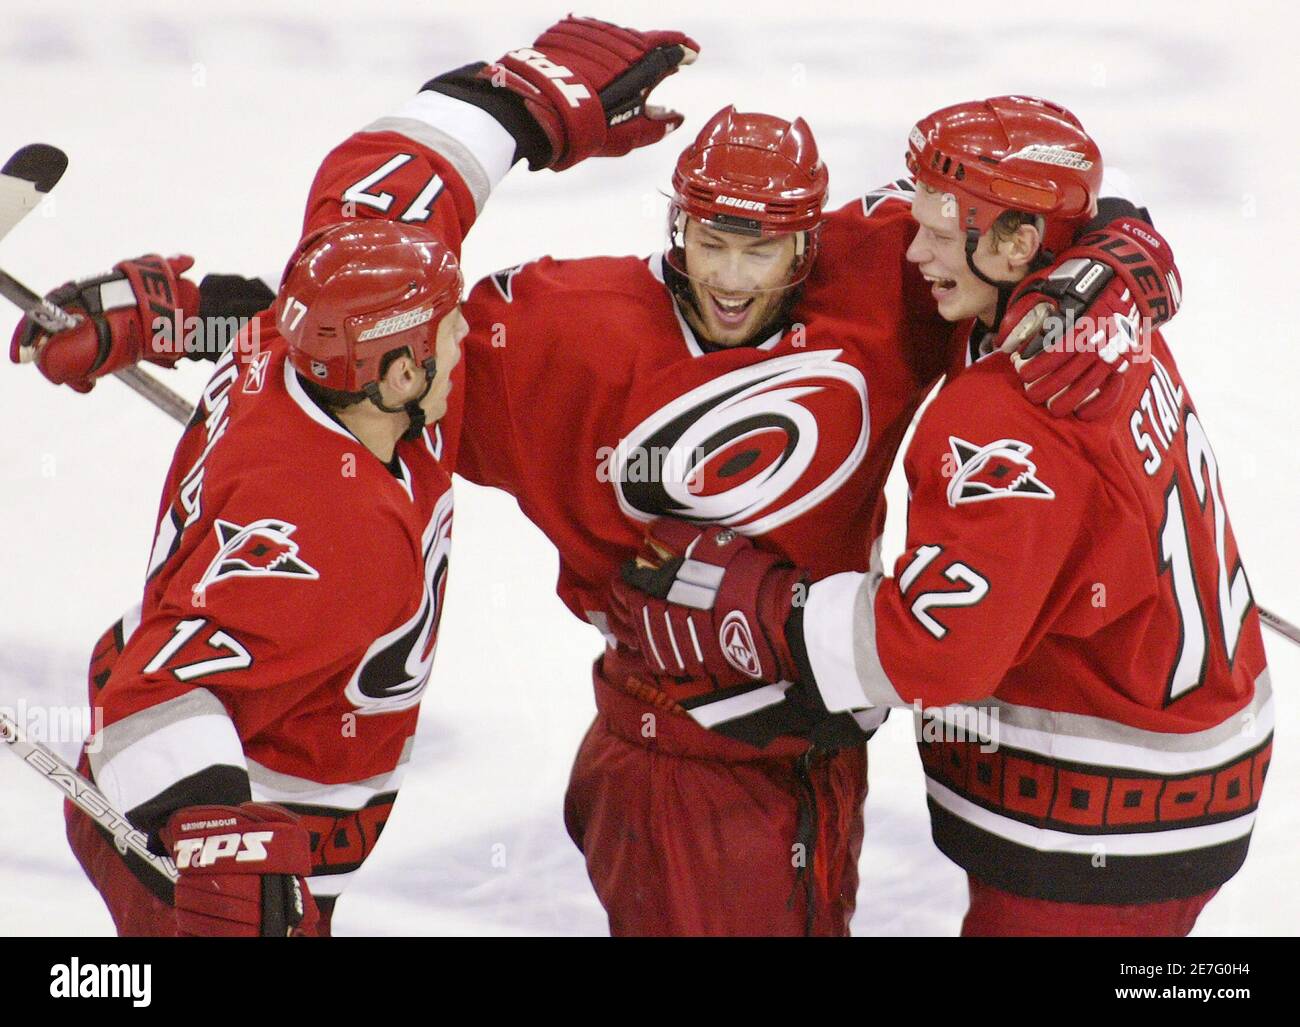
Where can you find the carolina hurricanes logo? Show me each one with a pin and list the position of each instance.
(999, 469)
(752, 449)
(737, 643)
(260, 549)
(395, 670)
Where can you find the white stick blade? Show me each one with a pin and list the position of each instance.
(25, 179)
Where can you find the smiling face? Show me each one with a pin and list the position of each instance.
(738, 281)
(939, 252)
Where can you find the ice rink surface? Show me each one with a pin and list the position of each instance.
(198, 127)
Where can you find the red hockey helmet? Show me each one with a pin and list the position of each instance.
(360, 289)
(754, 174)
(1010, 153)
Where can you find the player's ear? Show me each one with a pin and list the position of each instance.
(1023, 246)
(402, 376)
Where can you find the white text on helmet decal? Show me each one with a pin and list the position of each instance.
(397, 323)
(736, 201)
(916, 138)
(1057, 155)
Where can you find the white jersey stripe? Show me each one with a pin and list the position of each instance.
(1147, 843)
(143, 769)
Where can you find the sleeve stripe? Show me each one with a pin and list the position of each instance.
(148, 752)
(839, 626)
(467, 137)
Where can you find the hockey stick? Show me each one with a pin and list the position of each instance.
(53, 319)
(1279, 624)
(25, 180)
(87, 798)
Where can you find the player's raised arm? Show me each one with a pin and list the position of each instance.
(579, 90)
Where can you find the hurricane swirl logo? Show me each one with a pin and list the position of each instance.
(396, 667)
(752, 449)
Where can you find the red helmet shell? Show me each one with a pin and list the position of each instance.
(752, 173)
(360, 289)
(1010, 153)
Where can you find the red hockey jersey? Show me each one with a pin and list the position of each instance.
(592, 402)
(290, 614)
(1073, 615)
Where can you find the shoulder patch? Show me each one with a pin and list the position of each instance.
(504, 281)
(994, 471)
(901, 189)
(261, 548)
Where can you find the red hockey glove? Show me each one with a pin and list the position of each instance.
(242, 870)
(117, 313)
(586, 83)
(701, 600)
(1087, 314)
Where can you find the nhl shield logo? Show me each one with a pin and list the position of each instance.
(737, 643)
(260, 549)
(1001, 468)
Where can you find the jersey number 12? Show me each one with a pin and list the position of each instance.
(1232, 597)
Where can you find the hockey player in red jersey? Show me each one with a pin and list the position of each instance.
(261, 665)
(260, 706)
(1078, 582)
(760, 373)
(718, 385)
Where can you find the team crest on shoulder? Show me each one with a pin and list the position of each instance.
(999, 469)
(504, 281)
(902, 189)
(262, 548)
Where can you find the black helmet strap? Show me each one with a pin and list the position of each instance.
(412, 407)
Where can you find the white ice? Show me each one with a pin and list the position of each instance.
(197, 128)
